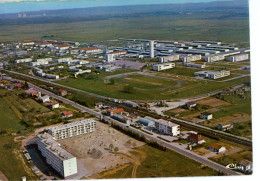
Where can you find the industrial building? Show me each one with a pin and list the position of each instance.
(191, 58)
(58, 158)
(167, 127)
(26, 60)
(165, 66)
(214, 58)
(73, 129)
(147, 121)
(239, 58)
(212, 74)
(201, 66)
(169, 58)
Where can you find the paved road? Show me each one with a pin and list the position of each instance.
(178, 121)
(186, 153)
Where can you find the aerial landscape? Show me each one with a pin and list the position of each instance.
(124, 89)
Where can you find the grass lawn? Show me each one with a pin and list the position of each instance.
(164, 164)
(185, 71)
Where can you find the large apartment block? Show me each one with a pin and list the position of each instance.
(58, 158)
(167, 127)
(165, 66)
(73, 129)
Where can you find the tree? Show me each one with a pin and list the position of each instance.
(111, 146)
(116, 149)
(128, 88)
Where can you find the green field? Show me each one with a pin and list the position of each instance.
(198, 26)
(10, 123)
(163, 164)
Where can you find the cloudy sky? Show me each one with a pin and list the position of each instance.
(15, 6)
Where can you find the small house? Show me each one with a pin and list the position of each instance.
(62, 92)
(18, 85)
(196, 138)
(115, 111)
(217, 148)
(32, 92)
(67, 114)
(54, 105)
(206, 115)
(99, 104)
(191, 104)
(45, 99)
(224, 127)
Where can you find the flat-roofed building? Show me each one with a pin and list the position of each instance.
(191, 58)
(73, 129)
(58, 158)
(167, 127)
(169, 58)
(212, 74)
(239, 58)
(164, 66)
(201, 66)
(214, 58)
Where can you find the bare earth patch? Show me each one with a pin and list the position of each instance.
(93, 150)
(213, 102)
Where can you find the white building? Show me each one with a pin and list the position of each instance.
(165, 66)
(195, 65)
(26, 60)
(169, 58)
(151, 43)
(239, 58)
(206, 115)
(212, 74)
(63, 60)
(58, 158)
(110, 58)
(217, 148)
(214, 58)
(191, 58)
(73, 129)
(167, 127)
(45, 99)
(82, 72)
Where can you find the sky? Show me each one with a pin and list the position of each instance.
(16, 6)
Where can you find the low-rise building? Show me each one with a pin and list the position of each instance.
(67, 114)
(115, 111)
(146, 122)
(196, 138)
(191, 58)
(45, 99)
(62, 92)
(131, 104)
(26, 60)
(54, 105)
(191, 104)
(245, 166)
(224, 127)
(201, 66)
(160, 67)
(167, 127)
(121, 118)
(169, 58)
(206, 115)
(217, 148)
(214, 58)
(32, 92)
(212, 74)
(239, 58)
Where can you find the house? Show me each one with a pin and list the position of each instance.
(32, 92)
(67, 114)
(206, 115)
(62, 92)
(245, 166)
(217, 148)
(196, 138)
(45, 99)
(18, 85)
(115, 111)
(99, 104)
(54, 105)
(191, 104)
(224, 127)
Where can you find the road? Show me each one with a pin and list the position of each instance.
(186, 153)
(195, 127)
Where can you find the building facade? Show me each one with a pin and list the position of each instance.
(166, 127)
(73, 129)
(160, 67)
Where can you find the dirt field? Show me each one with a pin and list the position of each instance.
(178, 110)
(213, 102)
(93, 150)
(239, 118)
